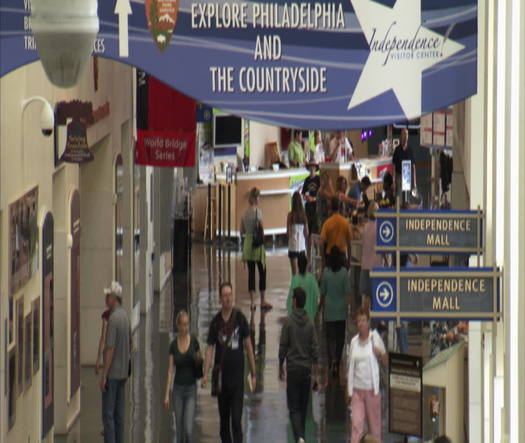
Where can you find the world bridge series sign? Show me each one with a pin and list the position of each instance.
(309, 64)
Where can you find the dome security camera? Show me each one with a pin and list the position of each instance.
(65, 32)
(47, 120)
(47, 115)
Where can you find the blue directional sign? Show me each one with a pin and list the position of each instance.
(386, 231)
(427, 293)
(384, 295)
(448, 232)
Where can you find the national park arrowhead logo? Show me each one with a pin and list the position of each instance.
(162, 18)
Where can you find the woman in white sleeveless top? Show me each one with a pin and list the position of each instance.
(297, 230)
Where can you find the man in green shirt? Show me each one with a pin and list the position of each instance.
(296, 154)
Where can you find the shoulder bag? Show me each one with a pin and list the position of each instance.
(258, 233)
(199, 363)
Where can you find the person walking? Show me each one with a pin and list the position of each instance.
(297, 231)
(184, 361)
(335, 294)
(326, 192)
(103, 332)
(299, 350)
(116, 367)
(341, 186)
(370, 259)
(228, 336)
(310, 189)
(308, 283)
(366, 353)
(336, 232)
(253, 253)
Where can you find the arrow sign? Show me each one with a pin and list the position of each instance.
(123, 9)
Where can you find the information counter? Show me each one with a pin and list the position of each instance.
(371, 166)
(274, 202)
(276, 188)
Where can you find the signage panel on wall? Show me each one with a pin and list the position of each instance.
(426, 293)
(320, 65)
(405, 412)
(430, 231)
(48, 374)
(75, 294)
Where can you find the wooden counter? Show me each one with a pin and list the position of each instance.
(274, 202)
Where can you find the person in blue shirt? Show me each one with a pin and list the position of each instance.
(357, 193)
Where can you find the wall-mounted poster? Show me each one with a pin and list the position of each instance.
(11, 398)
(47, 326)
(28, 373)
(75, 294)
(23, 240)
(20, 343)
(36, 335)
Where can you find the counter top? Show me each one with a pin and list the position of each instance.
(267, 174)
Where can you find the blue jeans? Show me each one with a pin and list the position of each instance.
(184, 404)
(113, 401)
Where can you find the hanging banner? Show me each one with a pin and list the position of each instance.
(165, 148)
(313, 65)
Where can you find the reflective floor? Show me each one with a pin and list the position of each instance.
(265, 417)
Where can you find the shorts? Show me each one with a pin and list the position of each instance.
(295, 255)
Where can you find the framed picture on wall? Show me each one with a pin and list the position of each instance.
(11, 397)
(20, 343)
(23, 240)
(36, 335)
(28, 373)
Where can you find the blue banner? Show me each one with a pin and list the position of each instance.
(308, 64)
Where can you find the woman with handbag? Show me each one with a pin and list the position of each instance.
(185, 367)
(366, 353)
(253, 253)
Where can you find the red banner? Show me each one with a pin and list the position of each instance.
(165, 148)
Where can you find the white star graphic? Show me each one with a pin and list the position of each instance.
(400, 68)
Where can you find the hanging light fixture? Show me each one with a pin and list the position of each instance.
(65, 32)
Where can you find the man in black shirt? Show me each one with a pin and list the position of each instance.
(403, 152)
(310, 188)
(229, 333)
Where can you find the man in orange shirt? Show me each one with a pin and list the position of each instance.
(336, 231)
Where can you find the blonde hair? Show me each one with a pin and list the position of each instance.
(253, 195)
(179, 316)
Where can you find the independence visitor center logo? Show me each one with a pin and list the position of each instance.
(401, 48)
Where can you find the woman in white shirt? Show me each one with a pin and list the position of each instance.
(366, 352)
(297, 230)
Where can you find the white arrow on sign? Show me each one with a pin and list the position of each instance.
(386, 231)
(123, 9)
(385, 294)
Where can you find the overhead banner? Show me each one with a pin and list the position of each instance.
(165, 148)
(308, 64)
